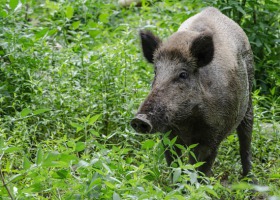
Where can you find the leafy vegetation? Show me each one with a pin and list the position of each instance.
(72, 75)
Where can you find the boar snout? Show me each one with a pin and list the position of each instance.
(141, 124)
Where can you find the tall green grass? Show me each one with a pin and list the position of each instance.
(72, 76)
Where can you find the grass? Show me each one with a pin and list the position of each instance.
(72, 76)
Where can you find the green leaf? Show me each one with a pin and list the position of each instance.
(272, 91)
(92, 25)
(26, 163)
(52, 156)
(242, 186)
(211, 191)
(2, 142)
(276, 176)
(16, 178)
(116, 196)
(180, 146)
(53, 159)
(13, 4)
(226, 8)
(80, 146)
(176, 174)
(177, 197)
(61, 174)
(192, 146)
(148, 144)
(82, 163)
(240, 9)
(68, 158)
(39, 156)
(25, 112)
(52, 32)
(193, 177)
(12, 149)
(198, 164)
(94, 132)
(93, 119)
(53, 163)
(172, 142)
(166, 141)
(40, 111)
(109, 184)
(193, 155)
(41, 33)
(37, 187)
(3, 13)
(94, 32)
(94, 182)
(78, 127)
(86, 119)
(75, 25)
(69, 12)
(71, 144)
(104, 17)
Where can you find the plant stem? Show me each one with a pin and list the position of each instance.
(3, 181)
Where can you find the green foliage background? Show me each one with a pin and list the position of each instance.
(71, 77)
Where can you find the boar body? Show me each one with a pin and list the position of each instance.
(202, 87)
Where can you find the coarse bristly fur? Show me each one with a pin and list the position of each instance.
(202, 87)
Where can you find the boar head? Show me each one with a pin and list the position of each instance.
(175, 101)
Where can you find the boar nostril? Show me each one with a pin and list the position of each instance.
(141, 124)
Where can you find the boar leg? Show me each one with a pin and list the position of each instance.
(204, 153)
(244, 131)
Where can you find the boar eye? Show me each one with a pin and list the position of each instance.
(183, 75)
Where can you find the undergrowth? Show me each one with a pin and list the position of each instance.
(71, 78)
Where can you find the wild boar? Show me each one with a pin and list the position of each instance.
(202, 87)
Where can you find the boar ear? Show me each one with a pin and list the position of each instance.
(149, 43)
(202, 48)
